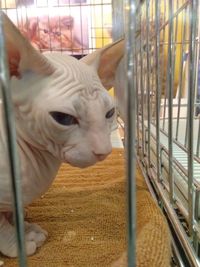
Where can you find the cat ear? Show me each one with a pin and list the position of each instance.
(105, 61)
(21, 55)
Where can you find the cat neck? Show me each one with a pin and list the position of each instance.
(35, 149)
(38, 166)
(33, 143)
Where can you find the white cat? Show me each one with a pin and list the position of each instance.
(63, 114)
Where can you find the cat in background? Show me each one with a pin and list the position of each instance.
(53, 33)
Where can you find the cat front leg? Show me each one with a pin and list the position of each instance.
(8, 244)
(34, 237)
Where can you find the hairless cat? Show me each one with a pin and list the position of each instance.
(63, 114)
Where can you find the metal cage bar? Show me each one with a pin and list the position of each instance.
(192, 52)
(12, 149)
(131, 6)
(170, 75)
(158, 89)
(148, 83)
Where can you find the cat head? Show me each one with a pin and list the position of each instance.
(60, 103)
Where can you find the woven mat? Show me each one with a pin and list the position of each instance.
(84, 213)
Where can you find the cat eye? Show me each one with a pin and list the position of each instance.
(110, 113)
(63, 118)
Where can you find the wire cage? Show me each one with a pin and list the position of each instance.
(163, 59)
(168, 136)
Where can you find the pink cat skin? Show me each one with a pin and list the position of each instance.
(63, 114)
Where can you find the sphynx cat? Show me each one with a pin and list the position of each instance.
(63, 114)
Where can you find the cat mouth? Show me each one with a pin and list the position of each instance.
(79, 161)
(79, 164)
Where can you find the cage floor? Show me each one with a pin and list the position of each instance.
(178, 153)
(84, 213)
(180, 178)
(179, 129)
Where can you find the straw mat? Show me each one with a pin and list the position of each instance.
(85, 213)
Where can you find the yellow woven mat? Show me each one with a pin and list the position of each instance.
(84, 213)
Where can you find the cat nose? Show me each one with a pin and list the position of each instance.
(101, 145)
(101, 156)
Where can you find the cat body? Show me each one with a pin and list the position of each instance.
(43, 144)
(63, 114)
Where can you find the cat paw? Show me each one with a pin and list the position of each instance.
(12, 252)
(34, 238)
(34, 233)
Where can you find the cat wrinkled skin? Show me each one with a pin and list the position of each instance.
(63, 114)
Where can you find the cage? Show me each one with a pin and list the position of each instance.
(158, 104)
(167, 60)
